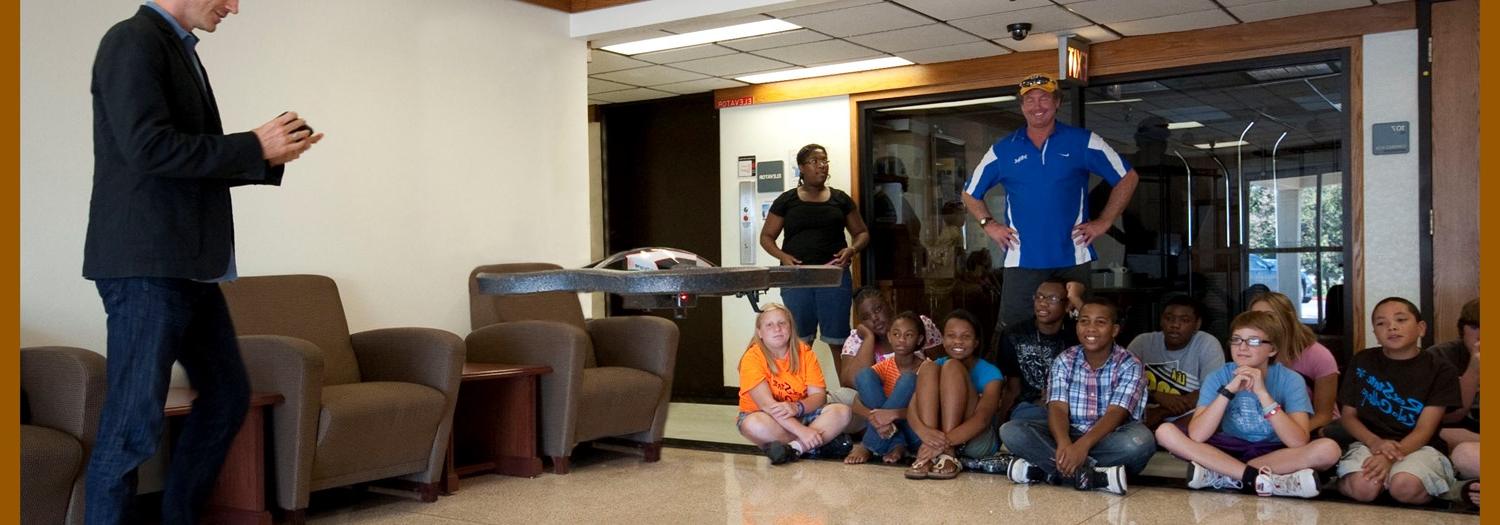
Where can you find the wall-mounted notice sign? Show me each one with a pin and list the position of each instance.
(769, 176)
(1391, 138)
(746, 166)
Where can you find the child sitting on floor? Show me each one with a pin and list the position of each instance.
(868, 344)
(1250, 431)
(1393, 400)
(1093, 433)
(955, 403)
(782, 395)
(884, 391)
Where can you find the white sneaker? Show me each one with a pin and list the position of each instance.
(1108, 479)
(1301, 484)
(1201, 477)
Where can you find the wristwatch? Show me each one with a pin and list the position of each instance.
(1224, 391)
(986, 221)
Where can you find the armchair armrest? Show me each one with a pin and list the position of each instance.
(640, 342)
(293, 368)
(559, 345)
(65, 388)
(425, 356)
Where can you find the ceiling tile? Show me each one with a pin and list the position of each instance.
(727, 65)
(819, 52)
(711, 22)
(1040, 41)
(601, 61)
(785, 38)
(921, 37)
(1042, 19)
(815, 6)
(1106, 11)
(700, 85)
(630, 95)
(649, 76)
(871, 18)
(1174, 23)
(1284, 8)
(953, 9)
(628, 35)
(683, 54)
(598, 85)
(951, 53)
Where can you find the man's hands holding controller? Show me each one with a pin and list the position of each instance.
(285, 138)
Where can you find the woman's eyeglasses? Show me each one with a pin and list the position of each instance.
(1252, 342)
(818, 162)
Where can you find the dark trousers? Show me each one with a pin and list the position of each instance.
(1018, 286)
(153, 322)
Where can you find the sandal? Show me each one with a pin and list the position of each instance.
(946, 467)
(920, 469)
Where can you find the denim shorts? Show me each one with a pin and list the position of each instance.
(824, 310)
(806, 419)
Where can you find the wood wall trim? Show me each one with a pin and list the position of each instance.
(578, 6)
(1133, 54)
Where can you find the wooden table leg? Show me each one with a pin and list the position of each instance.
(516, 430)
(449, 480)
(240, 495)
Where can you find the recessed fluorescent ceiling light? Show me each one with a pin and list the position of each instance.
(1185, 125)
(1121, 101)
(1218, 145)
(764, 27)
(953, 103)
(831, 69)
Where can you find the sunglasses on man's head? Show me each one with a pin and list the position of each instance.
(1035, 81)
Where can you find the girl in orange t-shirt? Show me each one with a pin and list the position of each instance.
(782, 392)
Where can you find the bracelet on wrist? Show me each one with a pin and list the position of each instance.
(1271, 410)
(801, 409)
(1224, 391)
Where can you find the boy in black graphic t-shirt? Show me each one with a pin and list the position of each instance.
(1393, 399)
(1025, 351)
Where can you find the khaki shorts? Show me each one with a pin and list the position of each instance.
(1427, 464)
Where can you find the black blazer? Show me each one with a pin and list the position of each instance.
(162, 163)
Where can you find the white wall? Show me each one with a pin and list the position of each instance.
(456, 137)
(772, 132)
(1391, 205)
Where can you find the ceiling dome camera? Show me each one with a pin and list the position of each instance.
(1019, 30)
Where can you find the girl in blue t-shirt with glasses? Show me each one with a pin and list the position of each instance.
(1250, 431)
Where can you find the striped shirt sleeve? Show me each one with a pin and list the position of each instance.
(1129, 390)
(1057, 382)
(1103, 160)
(986, 175)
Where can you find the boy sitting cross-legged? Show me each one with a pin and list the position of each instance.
(1093, 434)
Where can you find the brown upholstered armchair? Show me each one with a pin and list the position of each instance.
(359, 407)
(610, 377)
(64, 390)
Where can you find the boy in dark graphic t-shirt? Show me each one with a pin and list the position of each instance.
(1393, 400)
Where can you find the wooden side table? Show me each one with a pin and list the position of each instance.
(240, 494)
(494, 424)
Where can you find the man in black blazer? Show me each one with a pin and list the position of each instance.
(160, 237)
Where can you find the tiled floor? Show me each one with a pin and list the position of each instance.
(696, 486)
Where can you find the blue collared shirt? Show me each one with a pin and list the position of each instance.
(189, 44)
(1046, 191)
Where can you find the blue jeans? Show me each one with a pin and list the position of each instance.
(828, 308)
(1027, 410)
(1130, 445)
(872, 396)
(151, 323)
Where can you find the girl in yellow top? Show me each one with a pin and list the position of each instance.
(782, 393)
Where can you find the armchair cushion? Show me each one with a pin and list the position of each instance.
(50, 460)
(616, 400)
(373, 425)
(301, 306)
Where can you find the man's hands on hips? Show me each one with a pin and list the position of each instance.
(280, 143)
(1007, 237)
(1084, 234)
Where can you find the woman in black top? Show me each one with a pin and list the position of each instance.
(814, 217)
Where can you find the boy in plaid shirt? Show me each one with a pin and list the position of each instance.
(1093, 434)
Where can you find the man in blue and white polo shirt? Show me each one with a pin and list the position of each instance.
(1045, 170)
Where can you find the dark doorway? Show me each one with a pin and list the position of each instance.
(661, 188)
